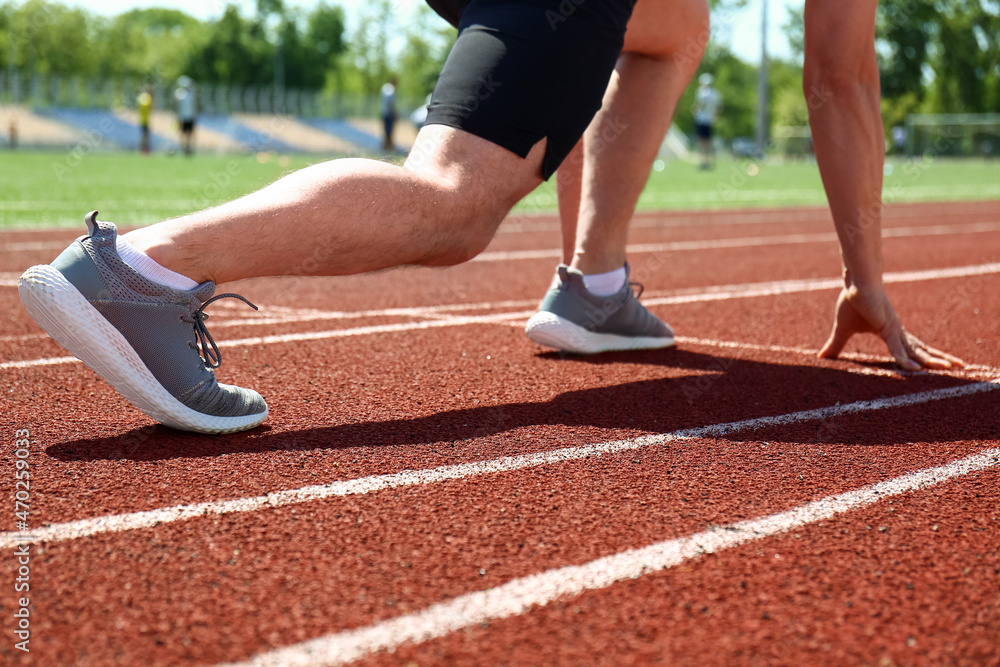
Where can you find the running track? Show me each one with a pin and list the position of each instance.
(432, 488)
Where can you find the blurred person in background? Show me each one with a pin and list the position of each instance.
(707, 107)
(899, 139)
(387, 105)
(144, 105)
(186, 112)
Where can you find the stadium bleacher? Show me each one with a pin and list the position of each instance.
(300, 136)
(34, 131)
(103, 127)
(340, 127)
(108, 129)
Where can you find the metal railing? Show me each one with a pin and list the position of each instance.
(44, 91)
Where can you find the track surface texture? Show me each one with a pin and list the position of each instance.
(431, 488)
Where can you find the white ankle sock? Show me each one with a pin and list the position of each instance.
(145, 266)
(605, 284)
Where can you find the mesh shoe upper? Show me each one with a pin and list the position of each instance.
(157, 321)
(619, 314)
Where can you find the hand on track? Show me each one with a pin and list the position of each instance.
(870, 311)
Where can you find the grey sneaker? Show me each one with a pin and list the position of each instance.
(141, 337)
(574, 320)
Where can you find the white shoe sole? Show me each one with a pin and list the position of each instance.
(551, 330)
(59, 308)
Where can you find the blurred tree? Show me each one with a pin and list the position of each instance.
(310, 53)
(934, 57)
(267, 7)
(968, 57)
(943, 56)
(369, 46)
(905, 29)
(148, 44)
(229, 54)
(47, 38)
(324, 33)
(428, 40)
(795, 31)
(787, 102)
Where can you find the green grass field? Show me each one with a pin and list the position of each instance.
(56, 189)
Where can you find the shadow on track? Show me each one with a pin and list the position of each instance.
(702, 389)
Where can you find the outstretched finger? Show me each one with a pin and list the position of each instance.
(928, 360)
(902, 353)
(931, 357)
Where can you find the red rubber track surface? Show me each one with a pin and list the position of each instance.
(358, 389)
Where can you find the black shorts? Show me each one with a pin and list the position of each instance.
(187, 126)
(526, 70)
(703, 130)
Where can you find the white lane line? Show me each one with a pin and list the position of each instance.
(21, 338)
(750, 241)
(34, 245)
(456, 321)
(286, 315)
(712, 293)
(520, 221)
(9, 279)
(365, 485)
(34, 363)
(722, 292)
(314, 335)
(656, 298)
(715, 293)
(520, 595)
(295, 315)
(899, 193)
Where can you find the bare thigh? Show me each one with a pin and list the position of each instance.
(669, 28)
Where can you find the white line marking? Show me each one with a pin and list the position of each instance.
(456, 321)
(286, 315)
(10, 279)
(523, 219)
(520, 595)
(35, 245)
(32, 363)
(21, 338)
(899, 194)
(710, 293)
(722, 292)
(715, 293)
(749, 242)
(365, 485)
(313, 335)
(295, 315)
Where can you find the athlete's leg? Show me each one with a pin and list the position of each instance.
(621, 142)
(354, 215)
(568, 180)
(143, 331)
(600, 183)
(706, 152)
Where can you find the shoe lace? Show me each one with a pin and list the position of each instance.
(209, 350)
(639, 285)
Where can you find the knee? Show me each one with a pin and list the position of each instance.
(838, 59)
(464, 231)
(670, 30)
(829, 76)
